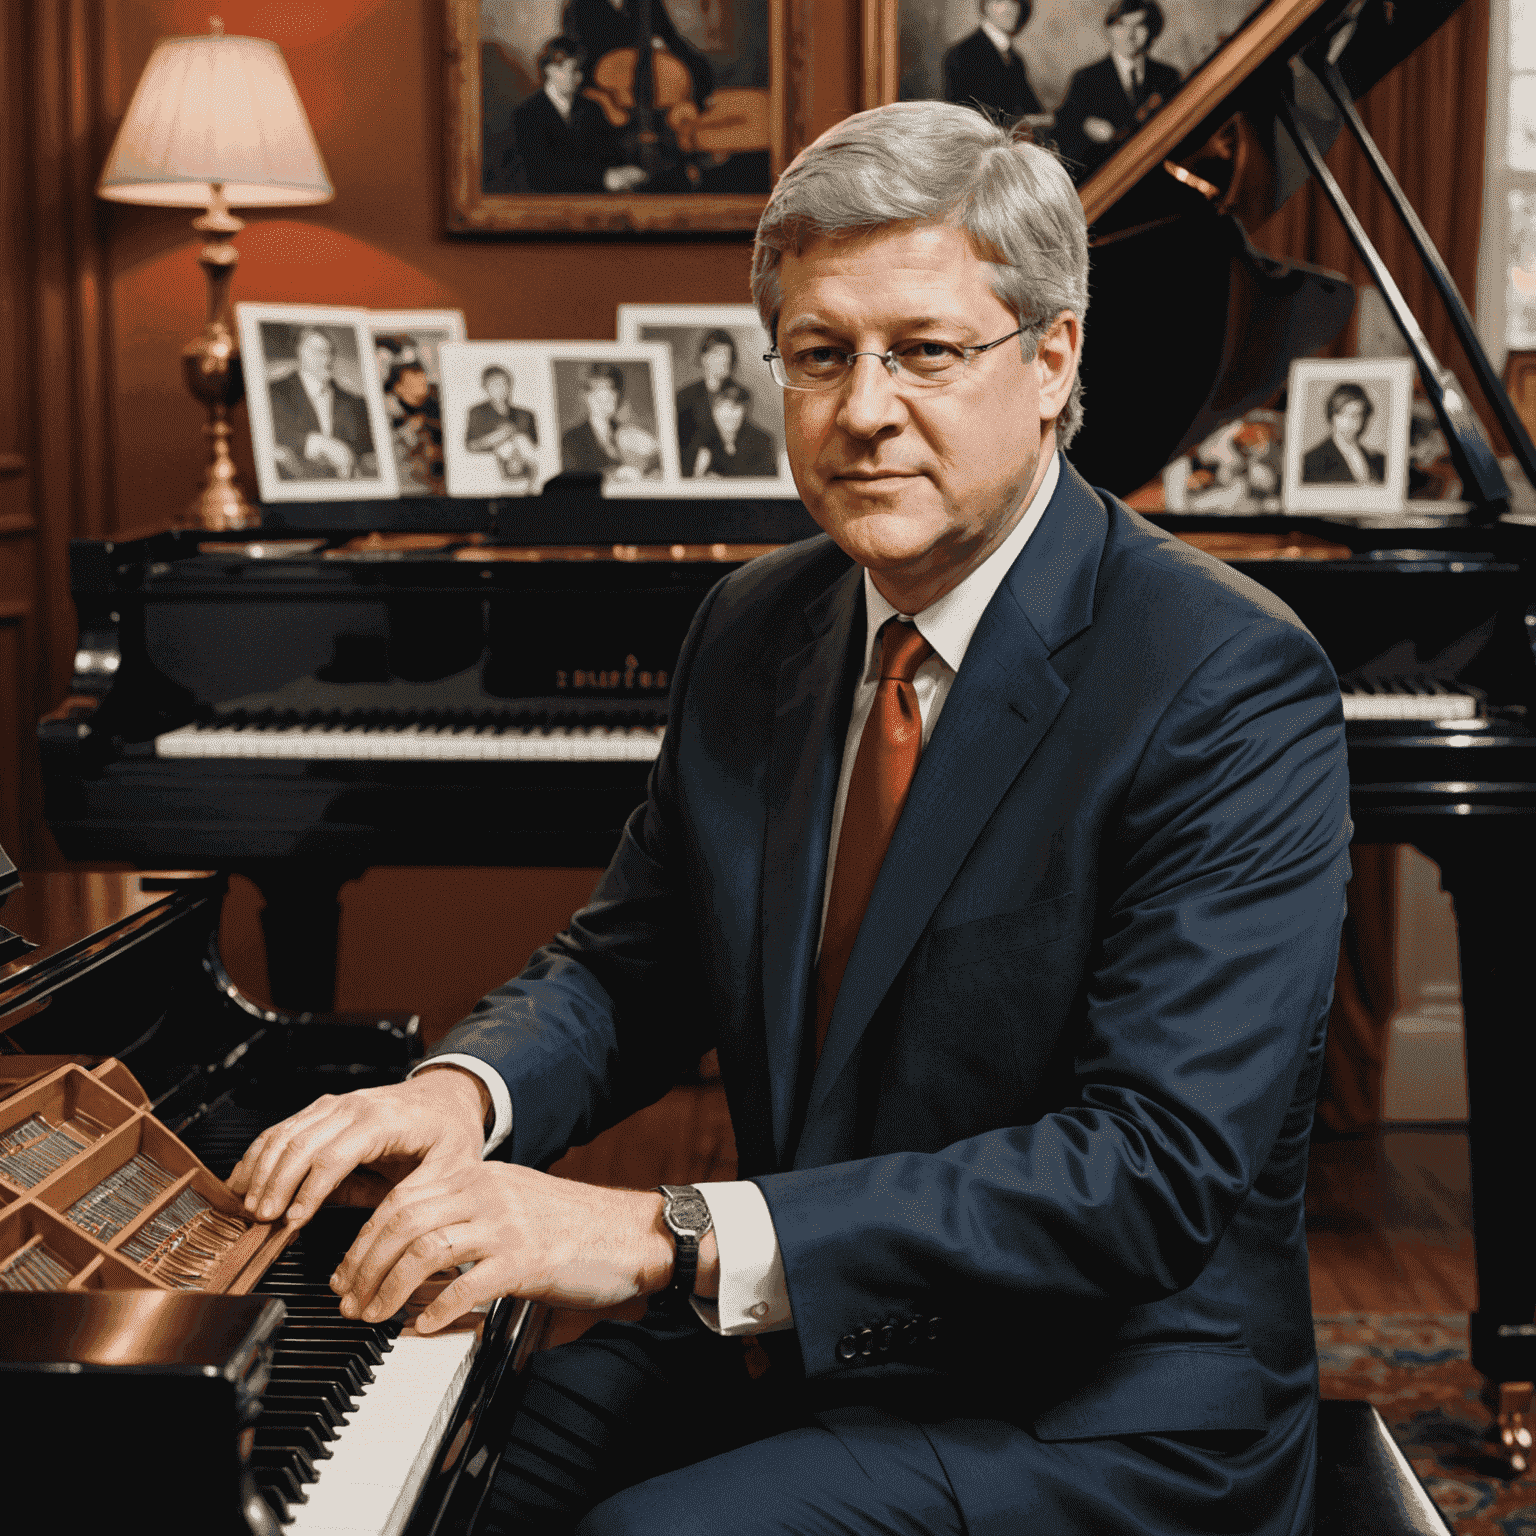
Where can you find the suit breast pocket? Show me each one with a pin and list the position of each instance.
(1006, 941)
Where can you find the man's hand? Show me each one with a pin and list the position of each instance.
(431, 1123)
(526, 1233)
(331, 451)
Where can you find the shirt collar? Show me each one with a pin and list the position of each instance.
(1127, 71)
(998, 38)
(949, 622)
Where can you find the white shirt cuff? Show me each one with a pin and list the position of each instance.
(753, 1295)
(501, 1100)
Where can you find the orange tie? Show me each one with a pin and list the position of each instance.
(882, 774)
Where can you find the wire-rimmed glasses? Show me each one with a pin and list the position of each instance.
(923, 363)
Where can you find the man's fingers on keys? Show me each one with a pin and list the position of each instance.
(264, 1155)
(407, 1239)
(456, 1299)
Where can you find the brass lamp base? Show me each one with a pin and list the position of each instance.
(211, 366)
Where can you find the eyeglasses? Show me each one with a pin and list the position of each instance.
(923, 364)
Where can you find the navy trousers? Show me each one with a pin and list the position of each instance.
(657, 1426)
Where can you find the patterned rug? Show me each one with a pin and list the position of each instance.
(1415, 1368)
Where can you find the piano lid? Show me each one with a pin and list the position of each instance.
(1189, 325)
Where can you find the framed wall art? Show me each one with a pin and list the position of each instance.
(1346, 434)
(555, 122)
(319, 427)
(729, 410)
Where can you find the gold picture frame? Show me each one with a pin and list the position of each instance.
(471, 209)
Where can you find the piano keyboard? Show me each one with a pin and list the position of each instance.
(1410, 699)
(355, 1413)
(417, 743)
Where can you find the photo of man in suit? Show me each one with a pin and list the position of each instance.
(997, 844)
(322, 430)
(730, 446)
(496, 426)
(983, 70)
(562, 142)
(717, 358)
(1108, 100)
(1341, 458)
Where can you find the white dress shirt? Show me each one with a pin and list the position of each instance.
(998, 38)
(321, 398)
(1132, 72)
(753, 1295)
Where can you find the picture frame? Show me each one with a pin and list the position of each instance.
(1214, 44)
(299, 457)
(640, 458)
(406, 344)
(498, 441)
(1346, 434)
(697, 337)
(708, 160)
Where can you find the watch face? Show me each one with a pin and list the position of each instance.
(687, 1213)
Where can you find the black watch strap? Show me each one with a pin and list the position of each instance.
(687, 1217)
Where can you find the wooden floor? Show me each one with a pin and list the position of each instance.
(1389, 1223)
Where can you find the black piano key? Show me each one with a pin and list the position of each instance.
(311, 1381)
(362, 1344)
(319, 1410)
(350, 1368)
(277, 1428)
(275, 1498)
(266, 1460)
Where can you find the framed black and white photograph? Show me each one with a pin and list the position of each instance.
(1346, 434)
(729, 410)
(318, 424)
(615, 115)
(499, 429)
(405, 345)
(614, 413)
(1085, 76)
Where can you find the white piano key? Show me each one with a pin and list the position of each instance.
(385, 1451)
(415, 743)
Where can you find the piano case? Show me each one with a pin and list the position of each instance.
(97, 1195)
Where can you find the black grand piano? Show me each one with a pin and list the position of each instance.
(483, 683)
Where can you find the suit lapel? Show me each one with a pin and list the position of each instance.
(1004, 699)
(810, 721)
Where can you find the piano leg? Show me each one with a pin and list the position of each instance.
(300, 923)
(1494, 924)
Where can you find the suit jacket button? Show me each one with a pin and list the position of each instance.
(933, 1327)
(909, 1331)
(847, 1347)
(866, 1342)
(886, 1337)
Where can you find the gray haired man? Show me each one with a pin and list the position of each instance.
(998, 844)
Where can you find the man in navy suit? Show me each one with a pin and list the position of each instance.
(983, 70)
(1107, 101)
(322, 430)
(1018, 1239)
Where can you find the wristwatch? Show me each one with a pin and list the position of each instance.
(687, 1217)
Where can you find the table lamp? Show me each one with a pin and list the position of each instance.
(216, 122)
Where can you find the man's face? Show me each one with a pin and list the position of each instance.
(1130, 36)
(499, 387)
(919, 485)
(716, 364)
(1349, 420)
(412, 388)
(602, 399)
(1005, 15)
(315, 355)
(564, 75)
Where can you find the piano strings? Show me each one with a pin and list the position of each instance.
(33, 1149)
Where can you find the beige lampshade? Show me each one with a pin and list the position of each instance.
(215, 109)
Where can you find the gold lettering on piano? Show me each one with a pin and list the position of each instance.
(630, 677)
